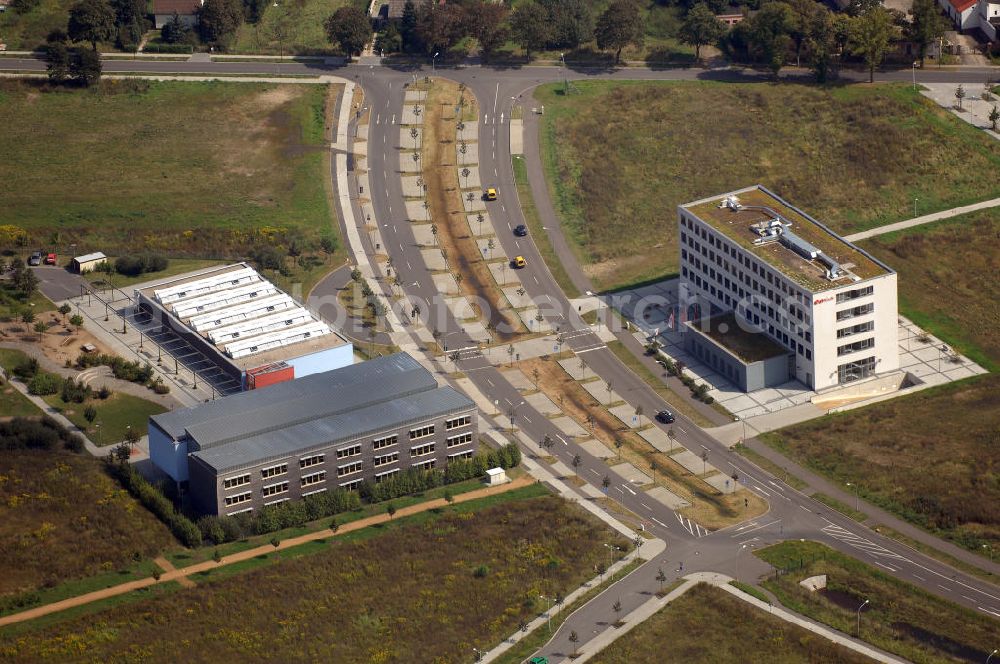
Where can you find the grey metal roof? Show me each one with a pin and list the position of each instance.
(341, 427)
(286, 404)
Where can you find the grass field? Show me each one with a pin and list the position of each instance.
(114, 414)
(901, 618)
(853, 157)
(28, 31)
(449, 581)
(204, 170)
(947, 281)
(750, 635)
(62, 517)
(15, 404)
(175, 267)
(931, 457)
(290, 28)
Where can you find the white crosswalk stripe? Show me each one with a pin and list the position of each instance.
(859, 542)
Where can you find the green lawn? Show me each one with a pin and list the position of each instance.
(291, 28)
(424, 590)
(15, 404)
(900, 618)
(749, 635)
(947, 281)
(620, 156)
(13, 303)
(207, 170)
(114, 415)
(62, 517)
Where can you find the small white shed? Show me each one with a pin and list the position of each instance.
(88, 262)
(496, 477)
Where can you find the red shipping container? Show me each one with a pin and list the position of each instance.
(269, 374)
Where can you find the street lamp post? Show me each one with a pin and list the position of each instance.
(479, 654)
(863, 605)
(857, 497)
(434, 60)
(611, 559)
(548, 612)
(995, 650)
(915, 199)
(913, 68)
(989, 549)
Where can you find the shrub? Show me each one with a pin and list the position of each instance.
(133, 266)
(46, 433)
(160, 387)
(44, 383)
(27, 369)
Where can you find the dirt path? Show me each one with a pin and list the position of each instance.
(265, 549)
(167, 566)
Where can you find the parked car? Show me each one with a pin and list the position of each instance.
(665, 416)
(36, 258)
(518, 262)
(491, 194)
(51, 259)
(520, 230)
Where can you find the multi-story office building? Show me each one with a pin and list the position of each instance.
(772, 294)
(367, 421)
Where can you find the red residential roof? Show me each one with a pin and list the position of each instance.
(181, 7)
(961, 5)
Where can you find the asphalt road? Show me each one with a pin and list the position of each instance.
(792, 515)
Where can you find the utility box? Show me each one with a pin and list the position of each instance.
(269, 374)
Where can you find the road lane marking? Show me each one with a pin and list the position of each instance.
(630, 490)
(659, 522)
(891, 569)
(645, 505)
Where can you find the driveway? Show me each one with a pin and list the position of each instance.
(58, 283)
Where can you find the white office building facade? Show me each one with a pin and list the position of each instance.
(783, 274)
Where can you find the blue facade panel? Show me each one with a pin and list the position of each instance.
(167, 454)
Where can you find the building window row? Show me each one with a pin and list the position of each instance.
(852, 371)
(239, 499)
(353, 485)
(386, 459)
(467, 454)
(310, 461)
(274, 471)
(864, 344)
(274, 489)
(353, 450)
(854, 312)
(425, 465)
(847, 296)
(460, 439)
(855, 329)
(349, 468)
(456, 422)
(422, 432)
(381, 477)
(313, 478)
(233, 482)
(387, 441)
(422, 450)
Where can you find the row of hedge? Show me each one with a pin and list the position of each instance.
(153, 499)
(130, 370)
(289, 514)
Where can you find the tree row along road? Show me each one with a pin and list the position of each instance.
(792, 514)
(249, 554)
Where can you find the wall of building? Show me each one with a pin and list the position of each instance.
(167, 454)
(748, 376)
(324, 360)
(208, 488)
(161, 20)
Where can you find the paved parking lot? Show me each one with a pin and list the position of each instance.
(58, 283)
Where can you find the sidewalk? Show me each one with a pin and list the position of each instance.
(248, 554)
(925, 219)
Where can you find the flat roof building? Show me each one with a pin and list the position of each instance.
(826, 310)
(364, 422)
(244, 324)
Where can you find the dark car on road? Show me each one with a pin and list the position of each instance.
(36, 258)
(520, 230)
(665, 416)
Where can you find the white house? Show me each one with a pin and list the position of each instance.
(988, 14)
(963, 13)
(186, 10)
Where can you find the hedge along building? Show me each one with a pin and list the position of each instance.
(254, 332)
(364, 422)
(772, 295)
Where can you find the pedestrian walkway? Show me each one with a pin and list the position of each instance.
(925, 219)
(249, 554)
